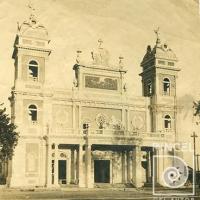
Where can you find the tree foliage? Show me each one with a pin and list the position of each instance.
(196, 107)
(8, 135)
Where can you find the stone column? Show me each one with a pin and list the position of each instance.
(148, 166)
(160, 163)
(128, 166)
(137, 167)
(123, 167)
(69, 170)
(56, 166)
(154, 166)
(48, 165)
(76, 165)
(81, 181)
(72, 165)
(88, 180)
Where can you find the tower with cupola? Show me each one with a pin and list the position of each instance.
(30, 56)
(159, 77)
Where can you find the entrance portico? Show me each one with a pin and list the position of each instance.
(89, 165)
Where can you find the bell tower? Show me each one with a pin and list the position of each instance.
(28, 103)
(159, 76)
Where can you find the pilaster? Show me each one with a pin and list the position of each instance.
(56, 166)
(49, 165)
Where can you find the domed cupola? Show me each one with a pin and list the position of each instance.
(31, 34)
(32, 28)
(160, 52)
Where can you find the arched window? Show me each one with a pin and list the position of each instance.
(166, 86)
(33, 70)
(167, 122)
(149, 87)
(32, 113)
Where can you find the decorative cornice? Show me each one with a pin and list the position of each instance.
(34, 48)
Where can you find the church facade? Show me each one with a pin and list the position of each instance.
(95, 133)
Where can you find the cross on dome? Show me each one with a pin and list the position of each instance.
(31, 7)
(157, 32)
(32, 12)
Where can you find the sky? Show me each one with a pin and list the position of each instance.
(125, 26)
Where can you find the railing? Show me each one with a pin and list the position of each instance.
(106, 132)
(115, 133)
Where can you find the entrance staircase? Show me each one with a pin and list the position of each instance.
(117, 185)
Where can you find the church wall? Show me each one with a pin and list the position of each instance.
(32, 162)
(28, 163)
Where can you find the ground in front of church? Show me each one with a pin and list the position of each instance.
(86, 194)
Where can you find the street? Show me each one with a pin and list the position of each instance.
(75, 194)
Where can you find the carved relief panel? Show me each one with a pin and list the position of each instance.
(102, 117)
(101, 82)
(137, 121)
(62, 116)
(32, 159)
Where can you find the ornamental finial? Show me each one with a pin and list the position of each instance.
(121, 58)
(78, 55)
(100, 41)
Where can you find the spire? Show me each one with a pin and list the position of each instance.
(157, 35)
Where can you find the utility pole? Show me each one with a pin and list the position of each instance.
(198, 162)
(194, 136)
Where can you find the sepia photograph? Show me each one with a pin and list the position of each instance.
(100, 99)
